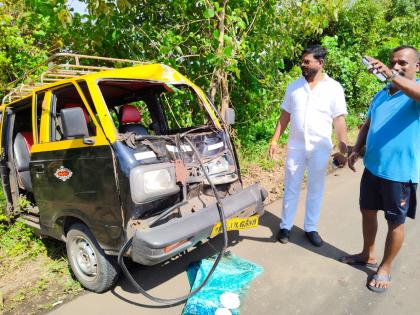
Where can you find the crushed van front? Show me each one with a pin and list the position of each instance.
(174, 158)
(154, 245)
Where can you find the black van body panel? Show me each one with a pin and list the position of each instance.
(125, 163)
(89, 194)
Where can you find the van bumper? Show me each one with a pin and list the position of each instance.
(153, 246)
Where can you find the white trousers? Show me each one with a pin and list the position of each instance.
(315, 162)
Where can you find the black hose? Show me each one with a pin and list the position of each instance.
(176, 301)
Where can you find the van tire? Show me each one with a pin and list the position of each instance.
(95, 270)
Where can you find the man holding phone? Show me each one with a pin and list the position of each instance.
(312, 104)
(392, 161)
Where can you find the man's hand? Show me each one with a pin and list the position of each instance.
(340, 158)
(272, 150)
(352, 160)
(380, 67)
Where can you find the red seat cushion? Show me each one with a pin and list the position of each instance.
(29, 139)
(129, 114)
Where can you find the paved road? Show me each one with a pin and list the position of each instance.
(298, 278)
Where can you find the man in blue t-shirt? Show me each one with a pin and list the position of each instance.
(392, 161)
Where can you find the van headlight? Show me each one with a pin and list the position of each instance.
(217, 166)
(220, 171)
(159, 180)
(150, 182)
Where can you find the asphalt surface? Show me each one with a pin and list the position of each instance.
(298, 278)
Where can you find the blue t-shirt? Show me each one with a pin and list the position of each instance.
(393, 140)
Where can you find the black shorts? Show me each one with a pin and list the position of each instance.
(397, 199)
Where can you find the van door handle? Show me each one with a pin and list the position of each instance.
(39, 168)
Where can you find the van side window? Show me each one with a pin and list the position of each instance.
(64, 98)
(39, 99)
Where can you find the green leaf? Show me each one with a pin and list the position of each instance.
(209, 13)
(114, 35)
(179, 50)
(280, 63)
(216, 34)
(228, 51)
(227, 39)
(237, 72)
(39, 33)
(241, 24)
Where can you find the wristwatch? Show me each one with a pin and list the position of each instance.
(394, 75)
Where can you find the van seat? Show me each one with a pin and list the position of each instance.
(22, 151)
(130, 119)
(85, 112)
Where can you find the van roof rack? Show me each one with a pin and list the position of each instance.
(62, 66)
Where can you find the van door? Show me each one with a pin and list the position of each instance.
(73, 179)
(15, 159)
(6, 116)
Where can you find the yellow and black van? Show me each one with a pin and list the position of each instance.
(104, 154)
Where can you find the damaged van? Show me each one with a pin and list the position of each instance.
(103, 154)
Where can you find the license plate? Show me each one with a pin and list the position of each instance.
(236, 224)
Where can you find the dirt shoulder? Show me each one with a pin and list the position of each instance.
(35, 285)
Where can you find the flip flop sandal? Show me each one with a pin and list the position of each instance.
(356, 262)
(377, 277)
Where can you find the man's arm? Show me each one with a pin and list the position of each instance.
(409, 87)
(340, 128)
(361, 141)
(282, 123)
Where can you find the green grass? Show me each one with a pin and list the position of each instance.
(17, 239)
(19, 245)
(256, 155)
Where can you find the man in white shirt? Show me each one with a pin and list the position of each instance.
(312, 104)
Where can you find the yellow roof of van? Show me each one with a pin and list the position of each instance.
(98, 68)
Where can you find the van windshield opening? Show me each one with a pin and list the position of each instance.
(146, 107)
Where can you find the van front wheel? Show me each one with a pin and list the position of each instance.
(95, 271)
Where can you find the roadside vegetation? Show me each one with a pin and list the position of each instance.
(34, 273)
(242, 53)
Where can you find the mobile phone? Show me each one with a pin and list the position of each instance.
(367, 64)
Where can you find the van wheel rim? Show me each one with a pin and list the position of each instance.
(84, 258)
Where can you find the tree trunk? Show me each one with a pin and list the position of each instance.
(224, 85)
(220, 77)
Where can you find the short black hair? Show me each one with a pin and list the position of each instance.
(317, 51)
(402, 47)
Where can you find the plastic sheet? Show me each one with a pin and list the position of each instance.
(233, 274)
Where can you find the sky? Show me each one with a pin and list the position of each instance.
(78, 6)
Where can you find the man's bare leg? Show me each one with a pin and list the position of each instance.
(369, 229)
(394, 241)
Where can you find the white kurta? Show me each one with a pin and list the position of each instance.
(309, 144)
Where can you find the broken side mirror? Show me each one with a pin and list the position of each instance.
(229, 116)
(74, 124)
